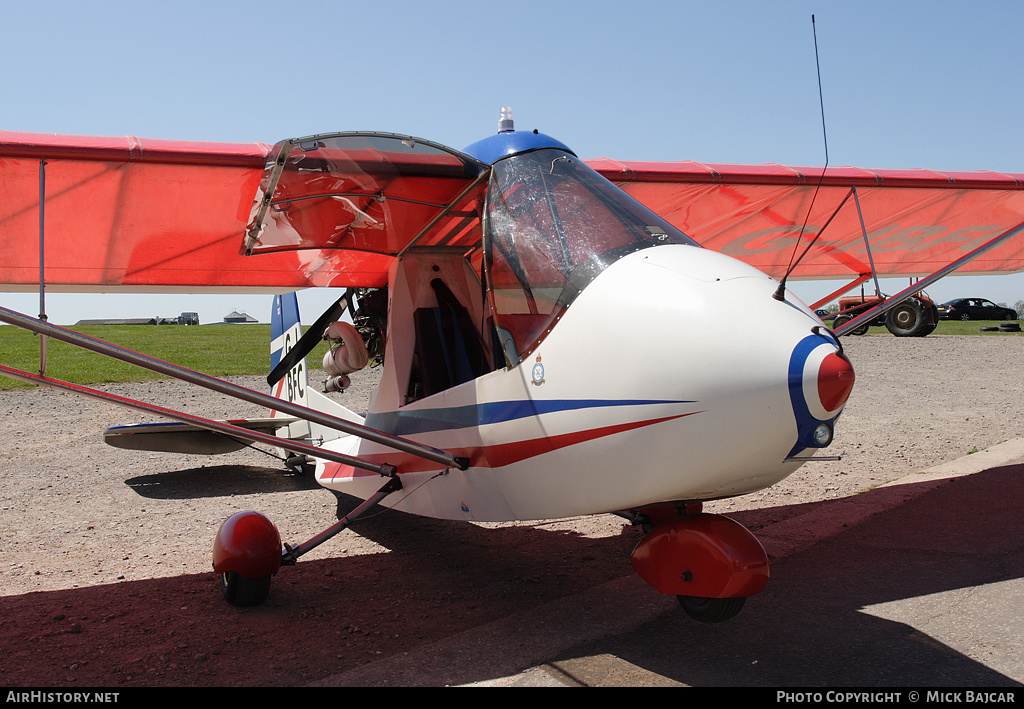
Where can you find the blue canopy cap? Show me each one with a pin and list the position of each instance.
(509, 142)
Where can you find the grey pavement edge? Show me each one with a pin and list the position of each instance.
(495, 653)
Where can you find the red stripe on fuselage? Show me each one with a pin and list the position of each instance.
(490, 456)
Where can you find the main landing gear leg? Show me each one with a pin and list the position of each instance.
(247, 551)
(709, 562)
(292, 553)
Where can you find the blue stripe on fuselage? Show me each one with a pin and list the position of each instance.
(404, 423)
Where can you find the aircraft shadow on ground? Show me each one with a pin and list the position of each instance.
(439, 578)
(219, 481)
(435, 578)
(814, 625)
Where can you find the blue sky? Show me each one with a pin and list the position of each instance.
(905, 84)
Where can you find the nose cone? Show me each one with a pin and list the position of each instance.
(835, 382)
(820, 381)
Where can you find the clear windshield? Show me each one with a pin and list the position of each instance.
(553, 224)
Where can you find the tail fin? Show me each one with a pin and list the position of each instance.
(285, 331)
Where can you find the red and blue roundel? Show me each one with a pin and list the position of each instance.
(820, 381)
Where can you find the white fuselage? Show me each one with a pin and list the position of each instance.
(674, 375)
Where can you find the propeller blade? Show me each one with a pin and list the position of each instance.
(310, 339)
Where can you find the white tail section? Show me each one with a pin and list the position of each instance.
(286, 330)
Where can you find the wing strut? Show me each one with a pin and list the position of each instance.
(782, 284)
(842, 289)
(884, 307)
(871, 260)
(233, 390)
(867, 243)
(291, 553)
(42, 263)
(227, 429)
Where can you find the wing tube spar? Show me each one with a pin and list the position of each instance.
(227, 429)
(156, 365)
(868, 315)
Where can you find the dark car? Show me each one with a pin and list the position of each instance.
(975, 309)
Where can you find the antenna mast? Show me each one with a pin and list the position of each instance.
(780, 293)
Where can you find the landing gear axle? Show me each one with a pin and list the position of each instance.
(248, 552)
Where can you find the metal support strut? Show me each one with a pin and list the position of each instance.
(172, 370)
(221, 427)
(291, 553)
(869, 315)
(42, 263)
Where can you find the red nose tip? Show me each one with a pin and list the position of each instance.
(835, 382)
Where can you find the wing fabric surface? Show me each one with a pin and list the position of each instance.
(336, 210)
(917, 221)
(368, 195)
(143, 215)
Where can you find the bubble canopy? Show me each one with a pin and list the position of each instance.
(537, 225)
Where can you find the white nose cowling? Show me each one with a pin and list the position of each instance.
(821, 379)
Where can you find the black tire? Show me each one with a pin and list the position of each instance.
(1009, 327)
(989, 328)
(243, 591)
(965, 316)
(711, 610)
(931, 321)
(842, 320)
(906, 319)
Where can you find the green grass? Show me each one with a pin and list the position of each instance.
(216, 350)
(972, 327)
(957, 327)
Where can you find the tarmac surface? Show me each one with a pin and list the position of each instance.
(918, 583)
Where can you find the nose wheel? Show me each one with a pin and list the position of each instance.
(711, 610)
(710, 563)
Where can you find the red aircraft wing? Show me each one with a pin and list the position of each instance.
(335, 210)
(131, 214)
(155, 215)
(916, 221)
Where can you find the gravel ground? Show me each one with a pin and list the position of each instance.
(105, 554)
